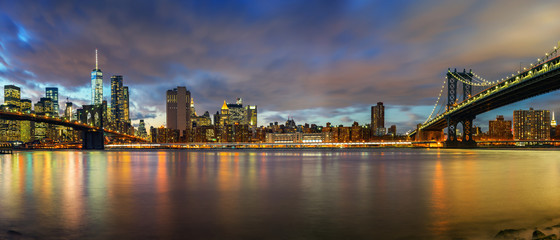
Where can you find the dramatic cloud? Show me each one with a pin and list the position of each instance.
(316, 61)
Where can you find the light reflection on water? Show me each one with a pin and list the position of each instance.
(287, 194)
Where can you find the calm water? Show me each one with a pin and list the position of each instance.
(286, 194)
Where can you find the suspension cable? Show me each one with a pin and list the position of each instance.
(437, 102)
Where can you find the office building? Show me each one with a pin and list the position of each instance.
(96, 84)
(378, 119)
(499, 129)
(25, 105)
(531, 124)
(252, 116)
(126, 104)
(142, 130)
(392, 130)
(52, 93)
(117, 98)
(12, 95)
(237, 113)
(201, 121)
(177, 109)
(119, 110)
(224, 114)
(68, 111)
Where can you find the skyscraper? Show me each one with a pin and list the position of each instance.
(117, 111)
(378, 119)
(142, 130)
(177, 109)
(10, 129)
(531, 124)
(96, 84)
(68, 111)
(126, 110)
(12, 95)
(237, 113)
(52, 93)
(120, 116)
(224, 114)
(25, 105)
(252, 115)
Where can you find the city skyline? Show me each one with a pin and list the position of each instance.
(331, 69)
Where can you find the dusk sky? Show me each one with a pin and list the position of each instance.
(315, 61)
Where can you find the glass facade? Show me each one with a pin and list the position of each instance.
(52, 93)
(96, 87)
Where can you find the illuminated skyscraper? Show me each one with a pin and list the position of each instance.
(68, 111)
(96, 84)
(142, 130)
(378, 119)
(224, 114)
(237, 113)
(177, 109)
(52, 93)
(117, 111)
(12, 96)
(120, 116)
(553, 121)
(126, 112)
(25, 105)
(10, 129)
(252, 116)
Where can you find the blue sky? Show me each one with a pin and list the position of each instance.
(315, 61)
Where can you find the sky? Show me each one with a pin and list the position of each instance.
(314, 61)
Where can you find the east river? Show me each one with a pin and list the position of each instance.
(278, 194)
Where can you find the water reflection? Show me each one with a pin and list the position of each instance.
(277, 194)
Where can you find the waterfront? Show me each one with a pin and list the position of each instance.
(278, 194)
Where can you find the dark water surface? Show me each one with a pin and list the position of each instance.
(282, 194)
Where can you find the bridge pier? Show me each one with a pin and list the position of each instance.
(93, 140)
(467, 141)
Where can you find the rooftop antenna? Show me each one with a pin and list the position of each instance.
(96, 65)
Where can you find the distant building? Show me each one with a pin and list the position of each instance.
(237, 113)
(378, 119)
(252, 116)
(126, 104)
(120, 115)
(499, 129)
(44, 107)
(299, 137)
(10, 129)
(178, 111)
(392, 130)
(164, 135)
(142, 130)
(201, 121)
(68, 111)
(224, 114)
(52, 93)
(12, 95)
(96, 84)
(25, 105)
(531, 124)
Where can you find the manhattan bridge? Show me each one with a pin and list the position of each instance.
(468, 95)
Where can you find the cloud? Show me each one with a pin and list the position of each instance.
(317, 61)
